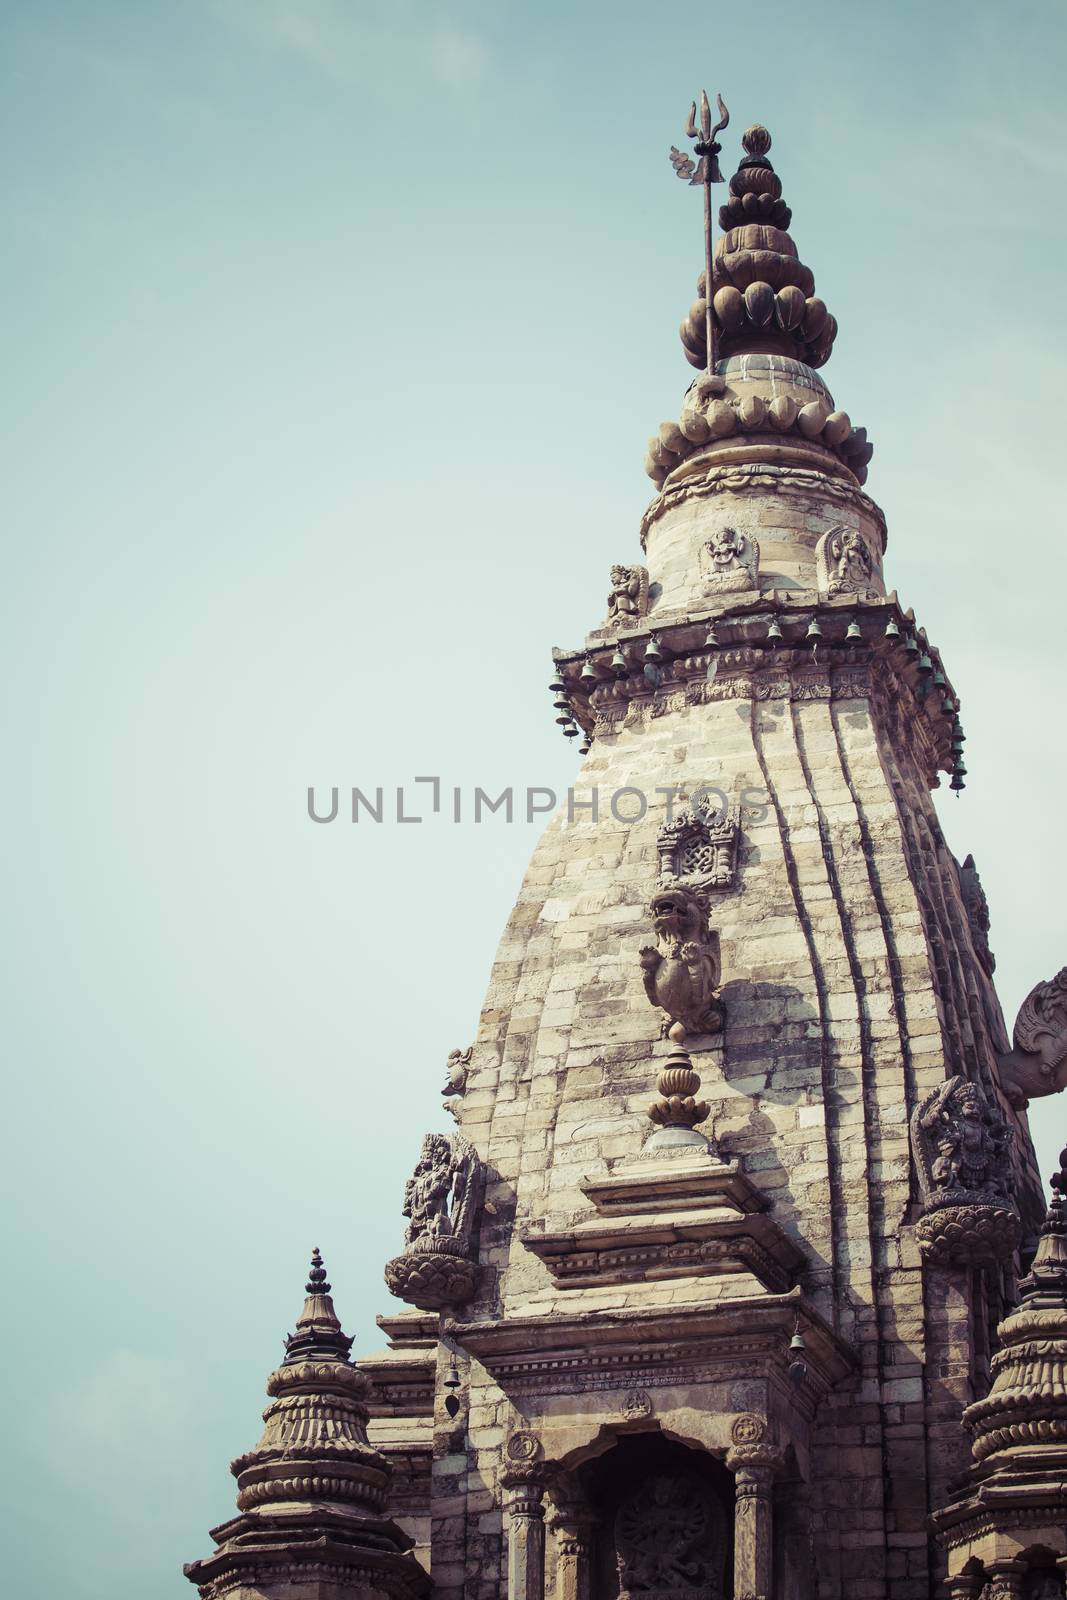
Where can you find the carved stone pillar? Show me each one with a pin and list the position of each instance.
(753, 1465)
(523, 1496)
(1005, 1580)
(572, 1523)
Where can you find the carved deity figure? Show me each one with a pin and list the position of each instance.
(670, 1539)
(964, 1142)
(845, 564)
(427, 1191)
(441, 1201)
(681, 972)
(732, 562)
(629, 594)
(1038, 1063)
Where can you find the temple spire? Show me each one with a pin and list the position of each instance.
(318, 1336)
(763, 296)
(312, 1494)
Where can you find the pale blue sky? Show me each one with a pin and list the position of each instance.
(334, 333)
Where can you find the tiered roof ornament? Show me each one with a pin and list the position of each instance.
(312, 1494)
(1008, 1518)
(763, 333)
(763, 296)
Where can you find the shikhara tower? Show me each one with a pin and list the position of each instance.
(706, 1287)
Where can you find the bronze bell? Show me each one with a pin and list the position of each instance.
(814, 631)
(588, 672)
(911, 646)
(853, 636)
(892, 632)
(774, 631)
(711, 638)
(653, 653)
(618, 661)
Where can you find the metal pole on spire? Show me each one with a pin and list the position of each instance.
(705, 172)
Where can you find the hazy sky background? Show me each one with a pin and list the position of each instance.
(334, 333)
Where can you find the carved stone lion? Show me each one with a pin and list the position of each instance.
(681, 972)
(1038, 1064)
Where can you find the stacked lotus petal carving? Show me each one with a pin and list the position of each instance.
(712, 412)
(764, 304)
(763, 296)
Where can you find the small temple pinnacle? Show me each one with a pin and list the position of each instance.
(316, 1283)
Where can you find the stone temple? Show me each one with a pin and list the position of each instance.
(736, 1279)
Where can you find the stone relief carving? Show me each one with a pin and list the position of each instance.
(699, 846)
(628, 599)
(961, 1145)
(844, 564)
(681, 971)
(977, 909)
(1038, 1063)
(670, 1540)
(457, 1068)
(441, 1202)
(731, 562)
(636, 1406)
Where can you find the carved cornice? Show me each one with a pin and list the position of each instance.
(708, 473)
(699, 1244)
(657, 1347)
(745, 665)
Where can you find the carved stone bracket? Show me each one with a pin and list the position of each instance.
(441, 1202)
(961, 1145)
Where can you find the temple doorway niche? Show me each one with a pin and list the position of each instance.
(664, 1517)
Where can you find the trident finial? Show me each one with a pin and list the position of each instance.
(705, 172)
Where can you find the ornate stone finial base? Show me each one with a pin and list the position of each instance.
(432, 1277)
(677, 1084)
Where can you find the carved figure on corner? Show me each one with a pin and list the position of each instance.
(459, 1062)
(962, 1145)
(977, 909)
(971, 1141)
(681, 972)
(732, 562)
(628, 599)
(1038, 1063)
(844, 564)
(441, 1201)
